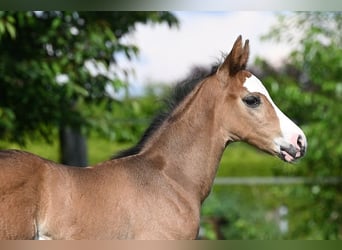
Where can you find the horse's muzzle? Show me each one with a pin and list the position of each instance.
(291, 152)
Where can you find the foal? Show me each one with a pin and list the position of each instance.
(155, 190)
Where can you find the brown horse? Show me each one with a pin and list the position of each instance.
(155, 190)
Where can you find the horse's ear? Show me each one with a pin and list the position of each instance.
(235, 61)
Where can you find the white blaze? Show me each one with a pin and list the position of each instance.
(290, 131)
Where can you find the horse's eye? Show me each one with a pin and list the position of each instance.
(252, 101)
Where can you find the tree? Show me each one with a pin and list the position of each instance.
(311, 81)
(58, 70)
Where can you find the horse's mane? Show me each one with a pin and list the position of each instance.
(178, 94)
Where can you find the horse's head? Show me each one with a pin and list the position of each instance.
(257, 120)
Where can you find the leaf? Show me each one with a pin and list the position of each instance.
(2, 27)
(79, 90)
(56, 23)
(11, 30)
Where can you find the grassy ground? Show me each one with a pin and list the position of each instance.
(99, 149)
(240, 159)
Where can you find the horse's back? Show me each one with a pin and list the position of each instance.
(21, 175)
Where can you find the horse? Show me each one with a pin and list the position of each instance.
(155, 189)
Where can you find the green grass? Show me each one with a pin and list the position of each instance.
(240, 159)
(41, 148)
(99, 149)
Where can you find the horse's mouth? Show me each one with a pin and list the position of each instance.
(291, 153)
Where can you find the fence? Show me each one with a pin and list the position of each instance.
(332, 180)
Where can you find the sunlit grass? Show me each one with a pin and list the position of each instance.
(99, 149)
(40, 147)
(240, 159)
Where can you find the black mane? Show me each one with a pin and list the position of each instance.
(179, 93)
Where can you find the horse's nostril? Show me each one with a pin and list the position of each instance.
(299, 141)
(301, 144)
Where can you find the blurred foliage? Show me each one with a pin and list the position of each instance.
(309, 88)
(240, 212)
(309, 85)
(59, 69)
(136, 113)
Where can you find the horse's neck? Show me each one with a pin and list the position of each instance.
(188, 144)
